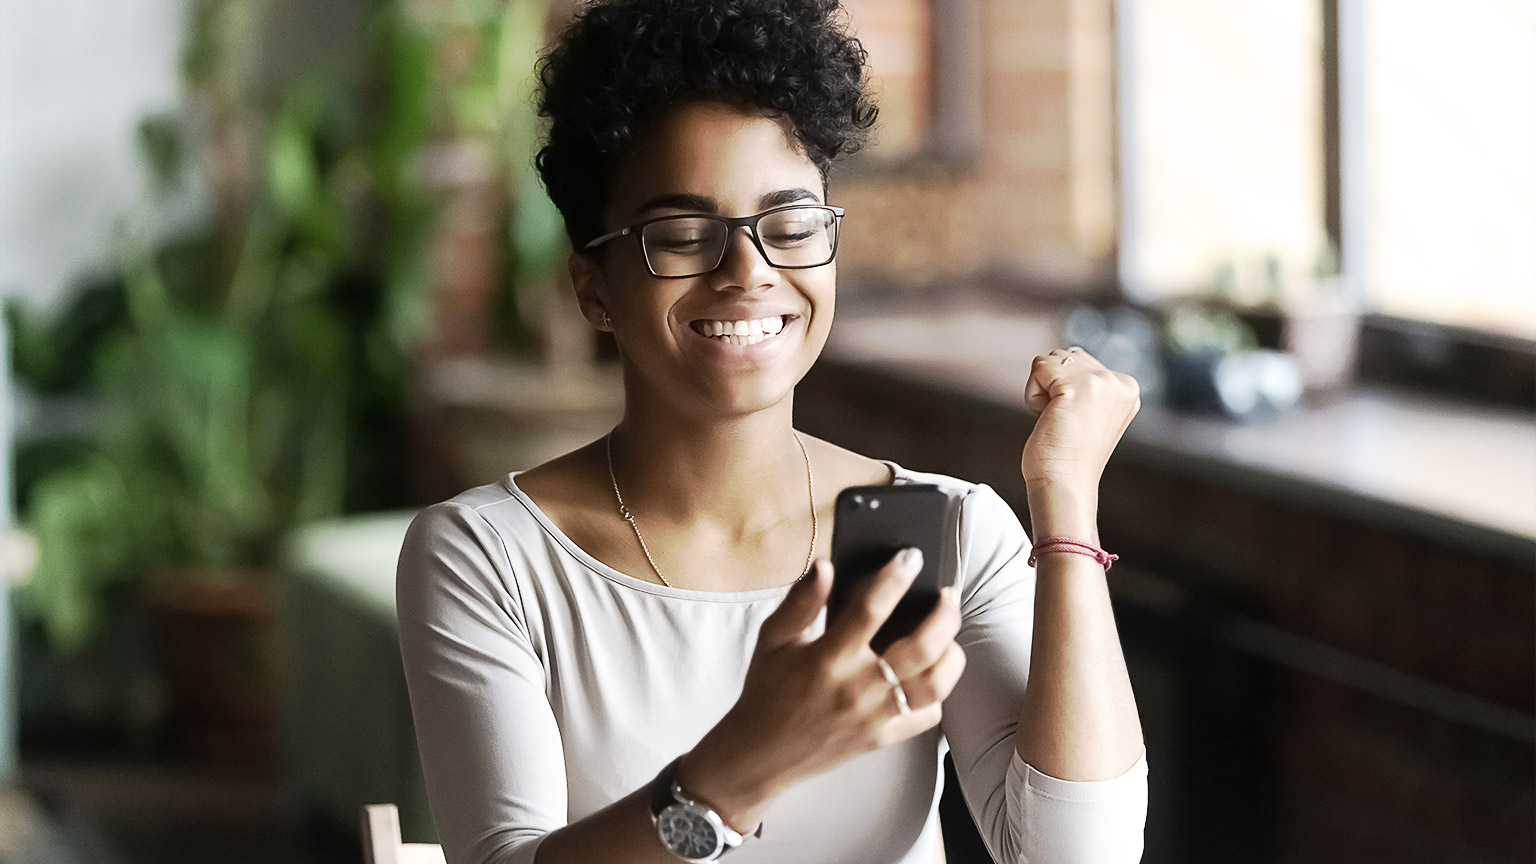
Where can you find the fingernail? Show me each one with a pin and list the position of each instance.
(911, 558)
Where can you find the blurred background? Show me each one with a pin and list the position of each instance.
(278, 273)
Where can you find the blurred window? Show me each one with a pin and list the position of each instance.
(1448, 161)
(1230, 176)
(1221, 145)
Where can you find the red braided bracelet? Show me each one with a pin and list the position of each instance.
(1067, 544)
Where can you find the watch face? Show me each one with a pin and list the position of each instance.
(689, 833)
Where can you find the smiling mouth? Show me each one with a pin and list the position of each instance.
(747, 332)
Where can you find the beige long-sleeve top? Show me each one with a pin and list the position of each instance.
(545, 685)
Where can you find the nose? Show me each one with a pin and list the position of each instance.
(743, 265)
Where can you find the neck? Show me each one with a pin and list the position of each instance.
(741, 473)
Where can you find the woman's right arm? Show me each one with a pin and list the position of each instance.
(492, 753)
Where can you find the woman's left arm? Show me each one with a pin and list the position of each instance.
(1078, 721)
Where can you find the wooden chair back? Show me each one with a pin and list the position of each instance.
(381, 840)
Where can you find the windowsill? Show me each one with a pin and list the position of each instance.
(1464, 473)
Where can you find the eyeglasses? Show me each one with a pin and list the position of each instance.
(796, 237)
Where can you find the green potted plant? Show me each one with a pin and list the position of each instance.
(218, 429)
(246, 376)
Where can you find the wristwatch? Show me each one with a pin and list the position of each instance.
(688, 829)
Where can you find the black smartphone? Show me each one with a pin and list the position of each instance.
(873, 523)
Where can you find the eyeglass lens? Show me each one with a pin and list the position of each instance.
(794, 237)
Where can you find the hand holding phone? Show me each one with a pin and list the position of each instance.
(810, 702)
(873, 524)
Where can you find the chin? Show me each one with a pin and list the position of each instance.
(740, 398)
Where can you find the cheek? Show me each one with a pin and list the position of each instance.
(822, 293)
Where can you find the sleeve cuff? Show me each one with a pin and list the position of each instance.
(1079, 791)
(1077, 822)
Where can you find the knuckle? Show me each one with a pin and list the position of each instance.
(825, 677)
(845, 700)
(922, 690)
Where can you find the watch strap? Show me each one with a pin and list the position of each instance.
(661, 788)
(665, 790)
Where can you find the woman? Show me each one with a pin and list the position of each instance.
(621, 655)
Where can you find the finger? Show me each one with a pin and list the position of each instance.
(935, 683)
(799, 609)
(874, 600)
(1079, 358)
(911, 654)
(900, 727)
(1049, 379)
(1037, 389)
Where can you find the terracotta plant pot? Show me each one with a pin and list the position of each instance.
(218, 645)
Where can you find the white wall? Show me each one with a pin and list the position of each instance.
(75, 78)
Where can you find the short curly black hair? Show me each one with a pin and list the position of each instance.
(622, 63)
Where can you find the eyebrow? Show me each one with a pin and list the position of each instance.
(786, 196)
(703, 204)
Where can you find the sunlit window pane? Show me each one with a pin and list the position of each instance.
(1222, 144)
(1449, 153)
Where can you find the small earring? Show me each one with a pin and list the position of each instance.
(607, 322)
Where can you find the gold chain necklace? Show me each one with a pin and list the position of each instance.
(810, 484)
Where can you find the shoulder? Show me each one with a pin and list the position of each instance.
(952, 486)
(986, 526)
(474, 511)
(990, 547)
(480, 528)
(469, 552)
(977, 500)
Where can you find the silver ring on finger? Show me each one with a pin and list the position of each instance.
(895, 682)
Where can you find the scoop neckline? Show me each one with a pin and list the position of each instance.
(509, 482)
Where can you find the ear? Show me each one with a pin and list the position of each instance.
(591, 289)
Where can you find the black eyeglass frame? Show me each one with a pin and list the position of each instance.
(731, 224)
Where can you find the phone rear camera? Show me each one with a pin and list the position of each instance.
(874, 503)
(858, 500)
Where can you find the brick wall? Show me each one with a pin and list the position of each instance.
(1036, 200)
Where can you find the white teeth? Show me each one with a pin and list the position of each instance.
(743, 332)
